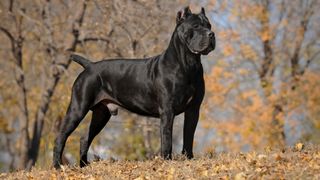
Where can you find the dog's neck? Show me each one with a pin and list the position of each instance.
(184, 56)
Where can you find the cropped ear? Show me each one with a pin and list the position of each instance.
(183, 15)
(187, 12)
(179, 17)
(203, 11)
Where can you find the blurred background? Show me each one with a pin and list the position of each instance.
(262, 80)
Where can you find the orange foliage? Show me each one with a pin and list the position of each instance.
(248, 51)
(228, 50)
(307, 94)
(254, 113)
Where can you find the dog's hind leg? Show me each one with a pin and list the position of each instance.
(79, 106)
(100, 117)
(72, 119)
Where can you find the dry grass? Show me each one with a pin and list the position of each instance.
(292, 163)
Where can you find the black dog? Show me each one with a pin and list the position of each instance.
(162, 86)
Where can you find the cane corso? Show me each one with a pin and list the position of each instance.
(162, 86)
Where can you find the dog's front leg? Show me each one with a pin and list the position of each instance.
(166, 133)
(191, 117)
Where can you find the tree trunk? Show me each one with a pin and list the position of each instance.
(277, 136)
(33, 149)
(16, 49)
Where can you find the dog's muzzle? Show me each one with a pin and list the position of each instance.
(211, 45)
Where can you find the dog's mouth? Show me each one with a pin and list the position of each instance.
(208, 49)
(210, 45)
(194, 51)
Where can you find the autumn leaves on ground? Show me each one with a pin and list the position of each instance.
(297, 162)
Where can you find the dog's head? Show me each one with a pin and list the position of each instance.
(195, 31)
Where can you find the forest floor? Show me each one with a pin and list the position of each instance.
(297, 162)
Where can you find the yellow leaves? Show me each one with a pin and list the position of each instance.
(228, 50)
(307, 94)
(140, 178)
(212, 81)
(220, 167)
(284, 22)
(260, 12)
(4, 125)
(240, 176)
(249, 10)
(234, 14)
(263, 15)
(243, 72)
(216, 71)
(171, 174)
(216, 83)
(211, 4)
(255, 122)
(228, 35)
(204, 173)
(266, 34)
(262, 157)
(251, 165)
(249, 94)
(277, 156)
(53, 176)
(248, 51)
(207, 124)
(299, 146)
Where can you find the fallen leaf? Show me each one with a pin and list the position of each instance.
(262, 156)
(240, 176)
(277, 156)
(299, 146)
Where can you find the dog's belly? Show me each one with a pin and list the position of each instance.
(142, 105)
(145, 106)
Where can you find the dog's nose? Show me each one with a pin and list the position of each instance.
(210, 34)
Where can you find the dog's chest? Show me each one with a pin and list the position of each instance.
(184, 97)
(190, 99)
(189, 93)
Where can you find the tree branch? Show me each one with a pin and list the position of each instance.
(300, 38)
(10, 36)
(309, 61)
(75, 29)
(10, 5)
(94, 39)
(267, 49)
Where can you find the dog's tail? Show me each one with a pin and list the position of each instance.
(80, 60)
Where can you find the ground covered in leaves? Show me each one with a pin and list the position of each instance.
(292, 163)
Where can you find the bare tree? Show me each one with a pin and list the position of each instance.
(43, 33)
